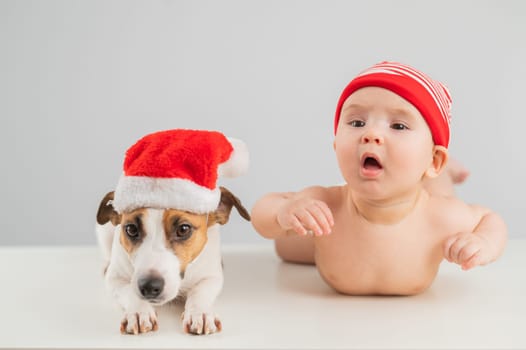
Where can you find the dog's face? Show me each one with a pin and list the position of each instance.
(161, 243)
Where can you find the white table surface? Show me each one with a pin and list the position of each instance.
(54, 297)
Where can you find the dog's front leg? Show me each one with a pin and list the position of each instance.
(198, 317)
(139, 315)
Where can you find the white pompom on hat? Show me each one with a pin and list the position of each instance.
(178, 169)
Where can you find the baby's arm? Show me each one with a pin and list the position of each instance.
(287, 217)
(277, 214)
(480, 247)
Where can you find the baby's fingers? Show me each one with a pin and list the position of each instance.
(464, 250)
(479, 258)
(473, 261)
(298, 227)
(468, 256)
(453, 247)
(323, 217)
(447, 247)
(306, 216)
(310, 220)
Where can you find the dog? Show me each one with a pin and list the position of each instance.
(153, 256)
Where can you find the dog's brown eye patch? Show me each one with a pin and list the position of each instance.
(186, 234)
(180, 226)
(132, 232)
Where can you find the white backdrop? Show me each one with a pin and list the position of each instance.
(80, 81)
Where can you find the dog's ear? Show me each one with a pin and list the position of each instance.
(106, 212)
(222, 213)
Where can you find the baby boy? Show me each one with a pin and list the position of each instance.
(387, 229)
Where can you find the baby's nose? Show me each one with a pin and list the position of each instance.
(372, 137)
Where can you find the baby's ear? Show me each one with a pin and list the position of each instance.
(440, 157)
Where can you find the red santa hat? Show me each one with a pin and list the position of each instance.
(430, 97)
(178, 169)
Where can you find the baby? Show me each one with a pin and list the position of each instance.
(387, 229)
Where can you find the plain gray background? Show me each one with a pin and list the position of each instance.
(81, 81)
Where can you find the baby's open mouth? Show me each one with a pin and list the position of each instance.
(371, 163)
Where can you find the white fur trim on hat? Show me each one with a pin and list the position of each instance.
(135, 192)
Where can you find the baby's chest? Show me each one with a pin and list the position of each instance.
(389, 250)
(368, 262)
(416, 233)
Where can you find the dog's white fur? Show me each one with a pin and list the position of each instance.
(199, 283)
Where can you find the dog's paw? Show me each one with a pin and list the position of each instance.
(139, 322)
(200, 323)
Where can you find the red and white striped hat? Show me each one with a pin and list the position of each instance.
(430, 97)
(178, 169)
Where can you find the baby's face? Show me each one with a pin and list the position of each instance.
(382, 142)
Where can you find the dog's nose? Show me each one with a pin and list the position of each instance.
(151, 287)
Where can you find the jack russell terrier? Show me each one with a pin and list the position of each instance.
(160, 241)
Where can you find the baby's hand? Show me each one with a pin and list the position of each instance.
(306, 215)
(468, 250)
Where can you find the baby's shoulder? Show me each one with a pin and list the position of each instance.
(446, 202)
(328, 194)
(444, 207)
(320, 192)
(453, 212)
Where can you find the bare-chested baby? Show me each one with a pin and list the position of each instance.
(388, 228)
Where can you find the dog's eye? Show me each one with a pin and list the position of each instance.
(183, 231)
(132, 230)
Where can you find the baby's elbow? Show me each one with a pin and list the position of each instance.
(295, 249)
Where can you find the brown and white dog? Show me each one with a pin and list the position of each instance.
(153, 256)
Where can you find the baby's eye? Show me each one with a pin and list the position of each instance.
(399, 126)
(357, 123)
